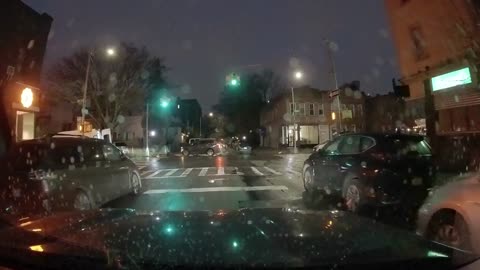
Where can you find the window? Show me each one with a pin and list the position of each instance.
(417, 37)
(320, 109)
(301, 108)
(92, 152)
(367, 142)
(311, 109)
(349, 145)
(332, 148)
(111, 152)
(126, 136)
(291, 108)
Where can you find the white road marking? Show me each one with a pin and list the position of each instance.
(186, 172)
(293, 172)
(171, 171)
(215, 189)
(153, 174)
(238, 171)
(256, 171)
(141, 167)
(272, 170)
(203, 172)
(221, 171)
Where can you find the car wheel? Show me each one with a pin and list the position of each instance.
(136, 184)
(185, 153)
(449, 228)
(210, 152)
(308, 179)
(82, 201)
(352, 196)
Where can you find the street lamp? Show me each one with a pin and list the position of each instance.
(153, 133)
(210, 114)
(298, 76)
(110, 52)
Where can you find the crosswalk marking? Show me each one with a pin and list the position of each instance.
(256, 171)
(272, 170)
(186, 172)
(172, 171)
(216, 189)
(221, 171)
(203, 172)
(148, 173)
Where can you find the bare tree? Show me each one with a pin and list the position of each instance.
(117, 86)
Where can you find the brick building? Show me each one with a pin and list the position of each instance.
(23, 39)
(386, 113)
(438, 41)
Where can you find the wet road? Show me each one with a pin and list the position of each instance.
(222, 182)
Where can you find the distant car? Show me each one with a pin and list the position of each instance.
(244, 148)
(65, 173)
(451, 214)
(123, 146)
(317, 147)
(202, 146)
(372, 170)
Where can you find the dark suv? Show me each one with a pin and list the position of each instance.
(202, 146)
(63, 173)
(372, 169)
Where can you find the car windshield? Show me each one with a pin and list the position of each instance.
(272, 133)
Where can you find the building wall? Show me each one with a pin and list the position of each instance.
(130, 131)
(385, 113)
(437, 36)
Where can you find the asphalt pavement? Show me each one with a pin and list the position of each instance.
(231, 181)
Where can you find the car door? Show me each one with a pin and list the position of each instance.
(319, 162)
(343, 161)
(118, 168)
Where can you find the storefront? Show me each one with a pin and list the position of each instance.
(309, 134)
(22, 105)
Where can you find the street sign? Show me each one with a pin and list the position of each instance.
(334, 93)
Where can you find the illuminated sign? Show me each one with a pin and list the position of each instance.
(451, 79)
(27, 97)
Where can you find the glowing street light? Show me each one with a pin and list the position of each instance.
(26, 98)
(210, 114)
(153, 133)
(298, 75)
(111, 51)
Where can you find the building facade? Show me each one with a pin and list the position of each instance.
(312, 117)
(23, 39)
(437, 42)
(386, 113)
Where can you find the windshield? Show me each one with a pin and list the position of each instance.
(294, 133)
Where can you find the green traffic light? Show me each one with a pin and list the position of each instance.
(169, 229)
(235, 244)
(164, 103)
(234, 82)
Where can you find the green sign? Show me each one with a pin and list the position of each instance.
(451, 79)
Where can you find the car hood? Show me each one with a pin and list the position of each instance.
(286, 237)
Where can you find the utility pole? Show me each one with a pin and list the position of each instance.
(333, 71)
(294, 125)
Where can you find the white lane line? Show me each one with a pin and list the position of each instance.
(186, 172)
(272, 170)
(221, 171)
(203, 172)
(215, 189)
(145, 172)
(293, 172)
(141, 167)
(256, 171)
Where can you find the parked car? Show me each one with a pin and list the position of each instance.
(372, 169)
(122, 146)
(202, 146)
(317, 147)
(451, 214)
(63, 173)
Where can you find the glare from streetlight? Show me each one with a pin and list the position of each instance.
(210, 114)
(153, 133)
(111, 51)
(298, 75)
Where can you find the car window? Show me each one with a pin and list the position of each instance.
(93, 152)
(349, 145)
(111, 152)
(402, 146)
(332, 148)
(366, 143)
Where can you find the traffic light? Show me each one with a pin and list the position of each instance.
(164, 102)
(233, 80)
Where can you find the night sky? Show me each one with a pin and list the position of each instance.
(203, 40)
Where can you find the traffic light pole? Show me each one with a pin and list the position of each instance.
(147, 150)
